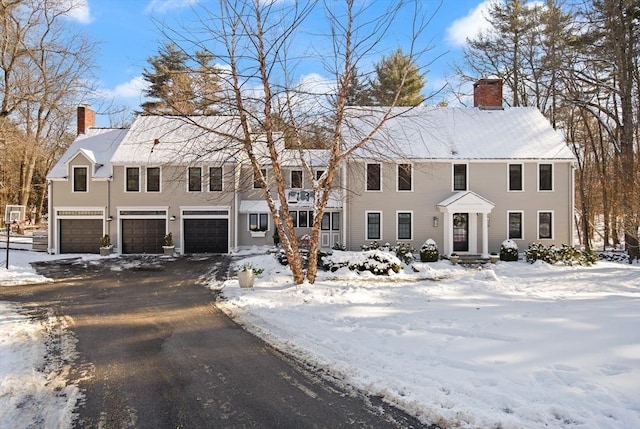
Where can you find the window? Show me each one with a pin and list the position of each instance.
(256, 179)
(153, 179)
(404, 225)
(215, 179)
(325, 225)
(374, 226)
(258, 221)
(515, 225)
(195, 179)
(133, 179)
(335, 221)
(296, 179)
(545, 177)
(319, 173)
(302, 219)
(294, 218)
(545, 225)
(515, 177)
(459, 177)
(404, 177)
(373, 177)
(80, 179)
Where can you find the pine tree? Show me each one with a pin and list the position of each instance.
(398, 81)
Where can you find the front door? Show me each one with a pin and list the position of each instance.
(461, 232)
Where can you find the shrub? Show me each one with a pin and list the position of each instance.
(105, 241)
(568, 255)
(404, 252)
(339, 246)
(429, 251)
(508, 251)
(168, 240)
(374, 261)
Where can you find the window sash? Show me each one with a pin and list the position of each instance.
(258, 221)
(545, 225)
(215, 179)
(545, 172)
(133, 179)
(404, 177)
(195, 179)
(404, 226)
(515, 177)
(515, 226)
(459, 177)
(296, 179)
(325, 225)
(373, 226)
(256, 179)
(335, 221)
(80, 179)
(373, 177)
(303, 219)
(153, 179)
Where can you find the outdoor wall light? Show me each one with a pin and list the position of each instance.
(435, 221)
(172, 218)
(109, 218)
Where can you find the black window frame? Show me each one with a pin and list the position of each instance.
(370, 224)
(545, 177)
(132, 181)
(460, 171)
(510, 225)
(215, 179)
(549, 235)
(191, 182)
(516, 182)
(299, 181)
(81, 181)
(258, 222)
(374, 177)
(404, 226)
(256, 181)
(156, 179)
(405, 183)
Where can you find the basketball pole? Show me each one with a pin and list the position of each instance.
(8, 232)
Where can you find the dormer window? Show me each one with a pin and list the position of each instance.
(80, 179)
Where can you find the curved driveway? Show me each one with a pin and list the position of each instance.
(155, 352)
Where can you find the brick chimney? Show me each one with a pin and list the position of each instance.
(86, 119)
(487, 94)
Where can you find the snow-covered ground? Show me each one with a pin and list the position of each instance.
(509, 346)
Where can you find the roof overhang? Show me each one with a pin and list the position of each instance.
(466, 202)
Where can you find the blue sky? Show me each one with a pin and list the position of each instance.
(127, 35)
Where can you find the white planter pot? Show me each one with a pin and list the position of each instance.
(454, 259)
(106, 251)
(258, 234)
(168, 250)
(245, 278)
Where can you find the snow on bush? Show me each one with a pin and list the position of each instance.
(429, 251)
(508, 251)
(568, 255)
(374, 261)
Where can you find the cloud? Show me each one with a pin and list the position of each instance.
(469, 26)
(132, 89)
(78, 11)
(162, 6)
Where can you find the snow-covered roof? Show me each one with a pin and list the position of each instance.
(427, 132)
(97, 145)
(179, 140)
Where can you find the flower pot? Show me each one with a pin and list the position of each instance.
(245, 278)
(454, 259)
(106, 250)
(258, 234)
(494, 259)
(168, 250)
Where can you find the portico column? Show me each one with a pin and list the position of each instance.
(485, 235)
(449, 234)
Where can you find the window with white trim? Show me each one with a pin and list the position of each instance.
(374, 180)
(514, 220)
(133, 179)
(405, 177)
(256, 180)
(296, 179)
(405, 225)
(373, 226)
(153, 179)
(545, 177)
(545, 225)
(195, 179)
(258, 221)
(515, 177)
(215, 179)
(459, 177)
(80, 179)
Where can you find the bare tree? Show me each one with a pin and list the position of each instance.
(260, 44)
(44, 66)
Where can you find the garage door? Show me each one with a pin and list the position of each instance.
(80, 235)
(142, 235)
(206, 235)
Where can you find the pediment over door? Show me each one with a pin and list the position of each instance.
(466, 202)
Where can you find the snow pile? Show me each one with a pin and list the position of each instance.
(511, 345)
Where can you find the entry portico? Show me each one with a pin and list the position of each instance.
(461, 212)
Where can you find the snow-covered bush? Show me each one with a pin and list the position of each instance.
(404, 252)
(508, 251)
(568, 255)
(429, 251)
(375, 261)
(338, 246)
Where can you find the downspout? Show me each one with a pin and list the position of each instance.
(51, 216)
(345, 210)
(572, 202)
(236, 187)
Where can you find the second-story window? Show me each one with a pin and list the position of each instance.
(515, 177)
(296, 179)
(374, 182)
(404, 177)
(459, 177)
(80, 179)
(545, 177)
(215, 179)
(153, 179)
(195, 179)
(133, 179)
(256, 179)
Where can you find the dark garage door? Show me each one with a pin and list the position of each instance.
(80, 235)
(206, 236)
(142, 235)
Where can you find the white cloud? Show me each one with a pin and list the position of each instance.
(162, 6)
(469, 26)
(132, 89)
(79, 11)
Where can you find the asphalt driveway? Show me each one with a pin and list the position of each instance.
(155, 352)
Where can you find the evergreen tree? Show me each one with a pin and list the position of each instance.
(398, 81)
(358, 93)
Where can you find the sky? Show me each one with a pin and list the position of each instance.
(127, 35)
(512, 345)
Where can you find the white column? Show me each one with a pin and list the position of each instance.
(448, 231)
(485, 235)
